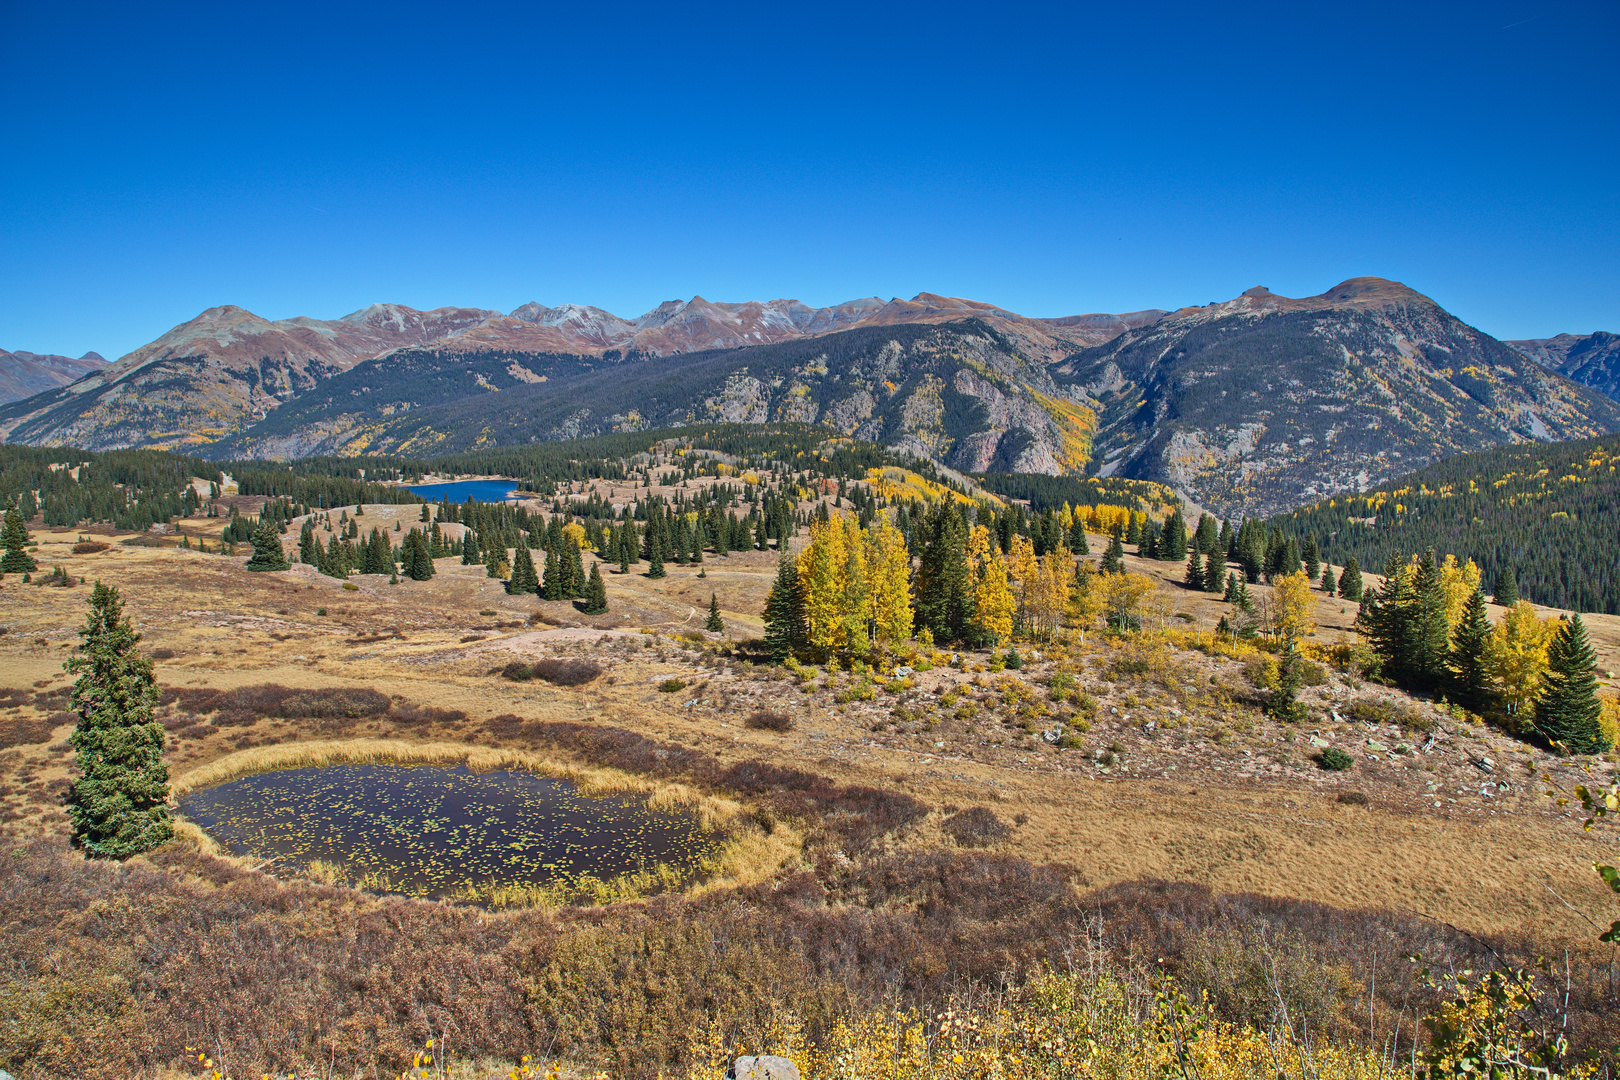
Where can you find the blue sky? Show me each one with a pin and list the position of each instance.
(156, 160)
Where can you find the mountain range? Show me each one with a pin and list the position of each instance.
(1589, 359)
(24, 374)
(1253, 405)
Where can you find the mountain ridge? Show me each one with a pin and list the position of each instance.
(24, 374)
(1589, 359)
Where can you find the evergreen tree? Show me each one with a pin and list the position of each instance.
(523, 580)
(944, 584)
(308, 550)
(16, 560)
(1243, 600)
(552, 586)
(655, 561)
(1506, 588)
(1230, 595)
(1567, 711)
(418, 557)
(714, 623)
(1173, 540)
(1431, 624)
(1470, 680)
(470, 555)
(1327, 578)
(1213, 572)
(784, 612)
(1113, 560)
(1311, 557)
(595, 592)
(1194, 577)
(117, 804)
(1283, 702)
(1207, 539)
(574, 581)
(1350, 581)
(267, 549)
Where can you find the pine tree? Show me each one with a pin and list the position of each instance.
(470, 555)
(1327, 578)
(267, 549)
(943, 585)
(16, 559)
(1568, 709)
(714, 622)
(1350, 581)
(1431, 626)
(493, 557)
(1470, 679)
(1311, 557)
(418, 558)
(1194, 577)
(552, 586)
(1213, 573)
(117, 805)
(1230, 595)
(574, 564)
(655, 561)
(1506, 588)
(595, 592)
(1243, 600)
(784, 612)
(308, 552)
(1113, 560)
(1283, 702)
(523, 580)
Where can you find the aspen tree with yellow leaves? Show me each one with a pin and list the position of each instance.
(888, 571)
(1516, 656)
(823, 565)
(993, 602)
(1085, 601)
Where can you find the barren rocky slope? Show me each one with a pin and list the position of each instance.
(24, 374)
(1589, 359)
(1263, 403)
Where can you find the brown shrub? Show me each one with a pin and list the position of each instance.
(977, 826)
(25, 730)
(769, 720)
(89, 547)
(555, 671)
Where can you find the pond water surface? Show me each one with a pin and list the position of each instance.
(490, 491)
(436, 831)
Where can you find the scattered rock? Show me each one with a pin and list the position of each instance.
(763, 1067)
(1374, 744)
(902, 672)
(1319, 742)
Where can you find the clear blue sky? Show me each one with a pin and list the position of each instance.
(158, 159)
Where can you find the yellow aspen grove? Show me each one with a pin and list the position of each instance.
(1085, 598)
(1294, 604)
(1122, 596)
(1516, 656)
(1025, 571)
(576, 535)
(822, 566)
(1459, 583)
(1049, 597)
(993, 600)
(857, 598)
(888, 573)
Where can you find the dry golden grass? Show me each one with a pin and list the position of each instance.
(1217, 818)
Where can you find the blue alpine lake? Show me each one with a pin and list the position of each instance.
(490, 491)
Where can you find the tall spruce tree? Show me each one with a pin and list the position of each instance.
(1327, 578)
(523, 579)
(1470, 681)
(1194, 577)
(1506, 588)
(418, 560)
(1350, 586)
(944, 587)
(1431, 627)
(1386, 619)
(714, 622)
(1568, 709)
(117, 803)
(553, 584)
(267, 549)
(1213, 571)
(16, 560)
(1113, 560)
(595, 592)
(784, 612)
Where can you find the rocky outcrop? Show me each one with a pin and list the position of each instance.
(1589, 359)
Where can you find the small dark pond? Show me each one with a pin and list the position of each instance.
(436, 831)
(489, 491)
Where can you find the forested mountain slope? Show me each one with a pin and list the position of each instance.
(962, 393)
(1264, 402)
(1549, 513)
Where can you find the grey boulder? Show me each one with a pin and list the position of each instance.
(763, 1067)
